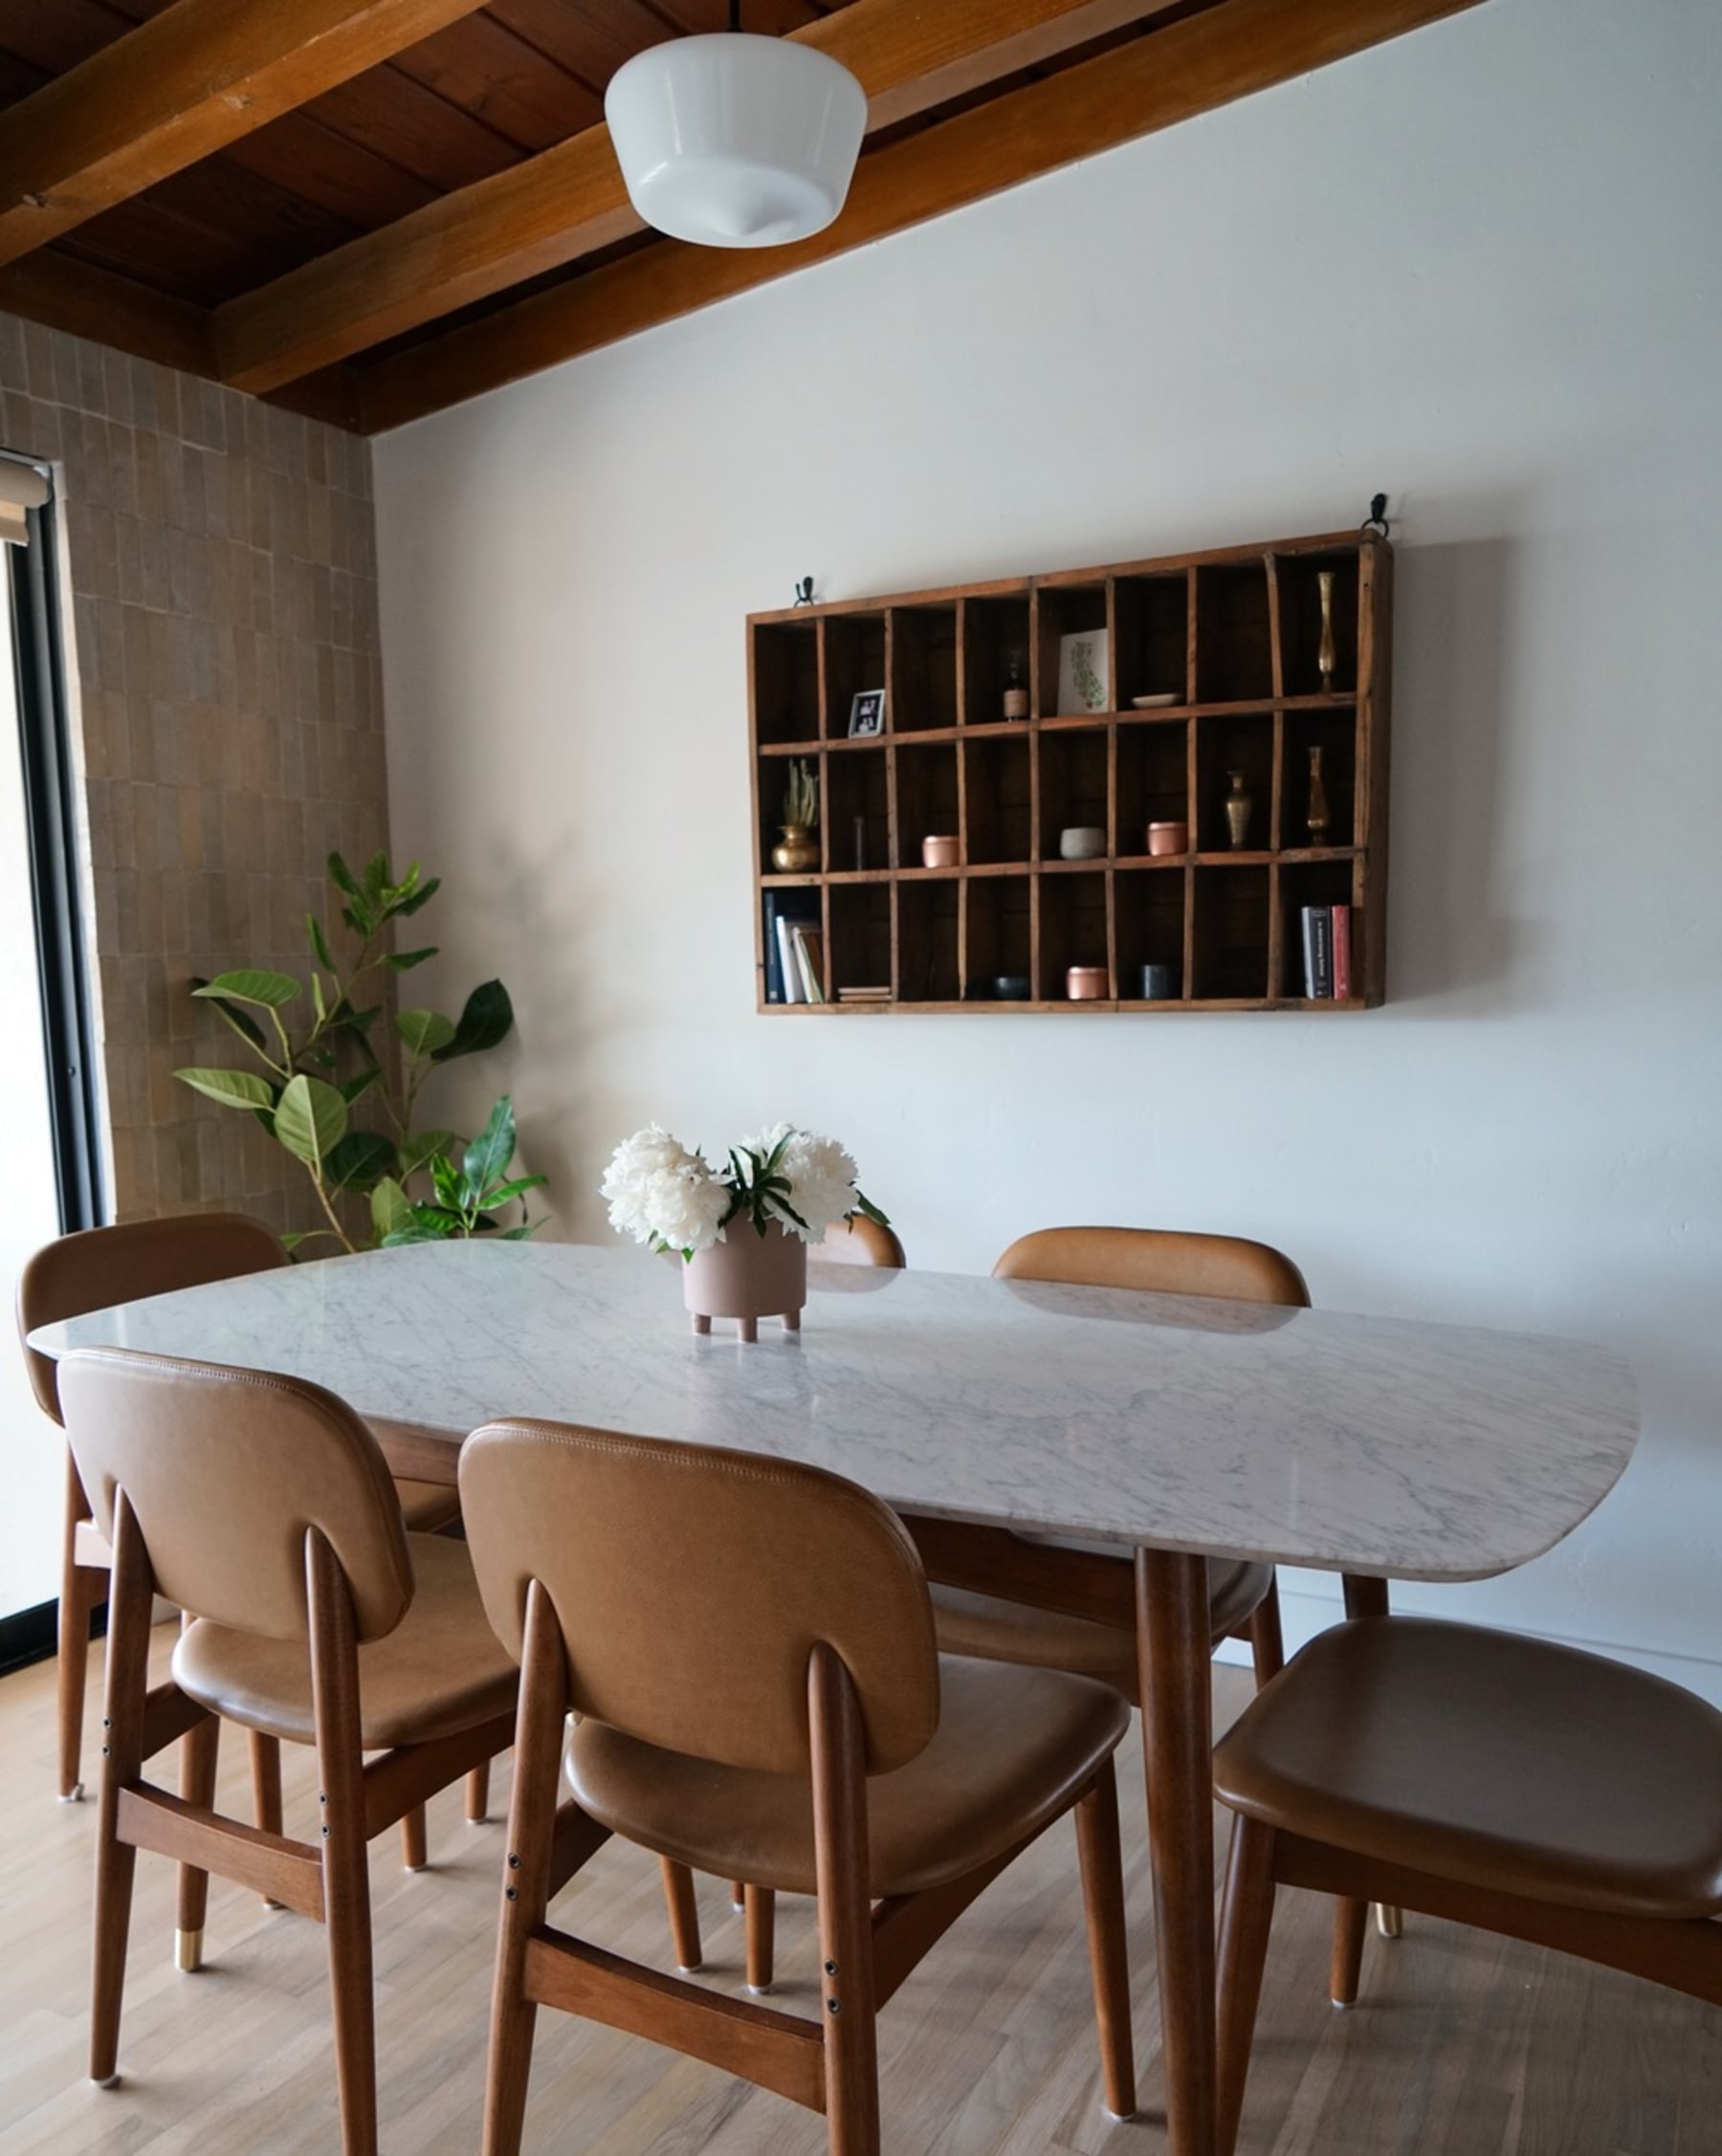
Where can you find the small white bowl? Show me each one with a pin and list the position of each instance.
(1081, 842)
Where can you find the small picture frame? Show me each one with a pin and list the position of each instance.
(1082, 668)
(867, 714)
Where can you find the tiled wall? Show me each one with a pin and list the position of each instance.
(223, 564)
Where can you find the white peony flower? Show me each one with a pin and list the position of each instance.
(660, 1193)
(821, 1176)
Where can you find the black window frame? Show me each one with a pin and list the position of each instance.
(51, 817)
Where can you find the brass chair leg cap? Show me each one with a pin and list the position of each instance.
(104, 2080)
(187, 1951)
(74, 1796)
(1390, 1922)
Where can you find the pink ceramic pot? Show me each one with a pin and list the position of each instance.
(1169, 838)
(941, 851)
(747, 1277)
(1086, 984)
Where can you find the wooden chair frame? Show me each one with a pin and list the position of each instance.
(829, 2066)
(1684, 1954)
(327, 1879)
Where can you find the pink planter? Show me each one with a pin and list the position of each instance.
(1169, 838)
(747, 1277)
(1086, 984)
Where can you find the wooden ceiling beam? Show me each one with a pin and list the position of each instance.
(177, 88)
(1187, 68)
(569, 200)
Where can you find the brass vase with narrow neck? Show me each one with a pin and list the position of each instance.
(1317, 818)
(1325, 652)
(1238, 805)
(798, 852)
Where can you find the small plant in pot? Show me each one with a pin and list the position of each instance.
(313, 1061)
(742, 1230)
(800, 848)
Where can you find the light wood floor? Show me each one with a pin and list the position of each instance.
(1463, 2046)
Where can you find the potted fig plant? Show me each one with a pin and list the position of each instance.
(313, 1061)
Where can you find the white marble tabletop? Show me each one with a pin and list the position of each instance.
(1352, 1443)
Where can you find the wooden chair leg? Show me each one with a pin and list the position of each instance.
(842, 1873)
(266, 1787)
(477, 1795)
(412, 1839)
(345, 1872)
(761, 1939)
(526, 1873)
(1246, 1918)
(129, 1596)
(1266, 1642)
(1350, 1921)
(684, 1915)
(81, 1588)
(1109, 1956)
(738, 1895)
(199, 1755)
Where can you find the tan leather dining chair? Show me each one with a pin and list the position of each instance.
(1243, 1602)
(91, 1270)
(749, 1648)
(1507, 1783)
(859, 1242)
(264, 1508)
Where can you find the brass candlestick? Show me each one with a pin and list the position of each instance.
(1317, 818)
(1325, 652)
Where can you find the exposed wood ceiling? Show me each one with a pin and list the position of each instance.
(372, 209)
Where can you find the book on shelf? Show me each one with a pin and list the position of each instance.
(1342, 954)
(809, 960)
(782, 909)
(1319, 953)
(858, 995)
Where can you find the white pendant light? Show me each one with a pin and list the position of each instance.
(734, 141)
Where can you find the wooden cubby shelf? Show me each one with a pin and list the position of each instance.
(1232, 638)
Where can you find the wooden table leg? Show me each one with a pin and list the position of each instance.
(1173, 1653)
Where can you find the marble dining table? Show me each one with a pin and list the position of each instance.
(1174, 1428)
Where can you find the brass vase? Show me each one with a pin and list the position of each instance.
(798, 852)
(1325, 652)
(1239, 807)
(1317, 818)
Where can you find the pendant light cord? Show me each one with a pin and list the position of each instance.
(735, 16)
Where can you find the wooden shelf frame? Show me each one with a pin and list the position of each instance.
(1233, 632)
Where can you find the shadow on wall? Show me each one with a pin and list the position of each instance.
(1452, 712)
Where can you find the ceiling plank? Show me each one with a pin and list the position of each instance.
(177, 88)
(107, 308)
(569, 200)
(1189, 67)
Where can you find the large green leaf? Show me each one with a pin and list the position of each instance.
(483, 1023)
(310, 1120)
(488, 1155)
(355, 1088)
(242, 1022)
(424, 1032)
(339, 873)
(423, 1147)
(319, 945)
(390, 1209)
(232, 1088)
(252, 984)
(360, 1158)
(403, 961)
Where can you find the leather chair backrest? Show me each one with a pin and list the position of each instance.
(859, 1242)
(225, 1471)
(691, 1586)
(98, 1267)
(1159, 1262)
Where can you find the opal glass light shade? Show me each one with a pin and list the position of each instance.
(736, 141)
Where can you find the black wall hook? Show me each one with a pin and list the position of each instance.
(1376, 519)
(804, 592)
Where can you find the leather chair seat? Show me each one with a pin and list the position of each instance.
(441, 1670)
(1502, 1763)
(1012, 1749)
(426, 1506)
(995, 1630)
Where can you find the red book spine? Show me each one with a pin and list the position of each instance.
(1342, 970)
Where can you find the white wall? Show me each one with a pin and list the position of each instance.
(1478, 267)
